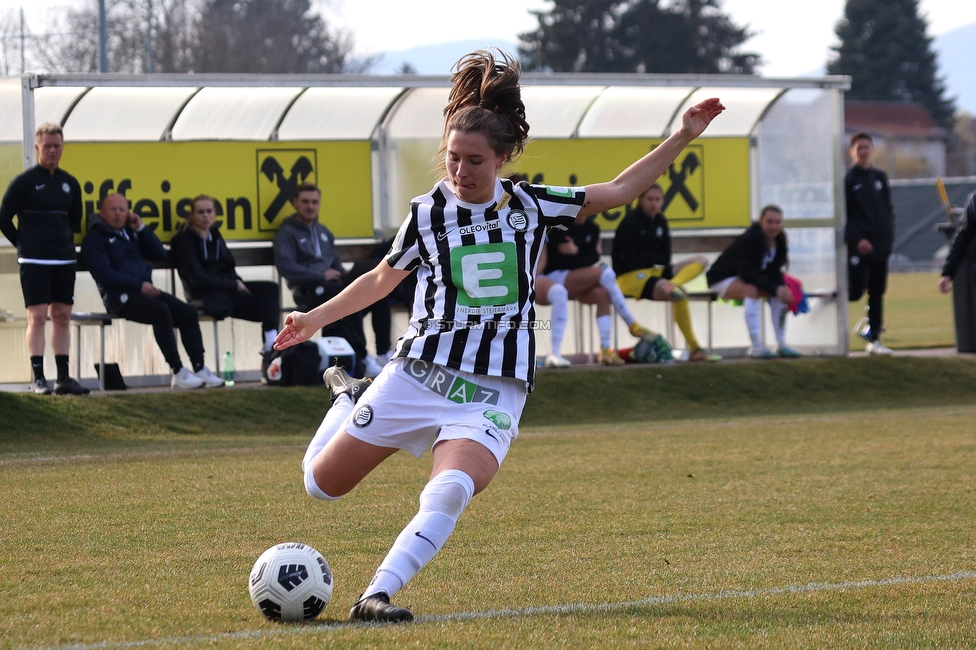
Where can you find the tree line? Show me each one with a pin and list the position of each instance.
(883, 44)
(242, 36)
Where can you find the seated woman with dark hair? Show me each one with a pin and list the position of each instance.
(751, 269)
(210, 279)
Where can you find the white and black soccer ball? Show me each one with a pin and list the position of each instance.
(291, 582)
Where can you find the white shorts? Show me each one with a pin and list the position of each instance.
(721, 287)
(413, 405)
(559, 277)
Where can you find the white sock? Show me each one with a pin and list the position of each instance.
(753, 309)
(604, 325)
(336, 415)
(441, 504)
(558, 297)
(779, 310)
(608, 280)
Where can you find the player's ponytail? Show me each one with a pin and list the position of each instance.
(485, 98)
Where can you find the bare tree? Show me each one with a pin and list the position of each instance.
(268, 36)
(264, 36)
(173, 35)
(72, 46)
(9, 43)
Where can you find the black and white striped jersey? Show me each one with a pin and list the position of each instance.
(474, 307)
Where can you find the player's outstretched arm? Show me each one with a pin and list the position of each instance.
(363, 292)
(628, 185)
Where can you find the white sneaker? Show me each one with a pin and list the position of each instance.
(185, 379)
(209, 379)
(557, 361)
(371, 368)
(384, 358)
(761, 353)
(877, 347)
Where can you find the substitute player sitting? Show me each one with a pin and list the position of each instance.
(645, 270)
(751, 269)
(572, 259)
(461, 372)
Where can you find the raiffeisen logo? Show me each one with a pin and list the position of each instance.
(480, 227)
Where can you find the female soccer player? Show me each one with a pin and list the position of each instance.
(751, 269)
(461, 372)
(210, 279)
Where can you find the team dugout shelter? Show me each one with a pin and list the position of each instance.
(369, 142)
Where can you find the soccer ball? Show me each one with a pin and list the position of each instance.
(291, 582)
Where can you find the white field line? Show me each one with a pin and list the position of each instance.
(543, 610)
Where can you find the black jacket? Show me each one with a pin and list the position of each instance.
(587, 239)
(744, 258)
(207, 269)
(962, 241)
(642, 242)
(870, 213)
(49, 214)
(117, 260)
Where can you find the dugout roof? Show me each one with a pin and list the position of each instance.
(780, 141)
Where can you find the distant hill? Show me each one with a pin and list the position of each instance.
(435, 59)
(956, 51)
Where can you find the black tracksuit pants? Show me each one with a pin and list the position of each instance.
(164, 313)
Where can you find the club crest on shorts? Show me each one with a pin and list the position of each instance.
(363, 417)
(518, 220)
(499, 419)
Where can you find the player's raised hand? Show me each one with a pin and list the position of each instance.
(698, 117)
(297, 329)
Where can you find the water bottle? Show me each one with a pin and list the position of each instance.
(228, 368)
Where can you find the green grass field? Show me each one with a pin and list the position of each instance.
(813, 504)
(916, 315)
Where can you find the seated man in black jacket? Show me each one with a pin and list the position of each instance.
(305, 255)
(115, 251)
(642, 262)
(751, 269)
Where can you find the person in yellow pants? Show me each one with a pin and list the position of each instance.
(642, 262)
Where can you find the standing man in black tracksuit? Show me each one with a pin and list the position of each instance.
(47, 202)
(870, 234)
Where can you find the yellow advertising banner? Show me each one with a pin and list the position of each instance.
(11, 163)
(706, 187)
(252, 182)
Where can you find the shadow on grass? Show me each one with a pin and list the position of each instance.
(686, 391)
(22, 413)
(121, 416)
(639, 393)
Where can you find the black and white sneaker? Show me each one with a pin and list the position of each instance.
(69, 386)
(340, 383)
(41, 387)
(377, 609)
